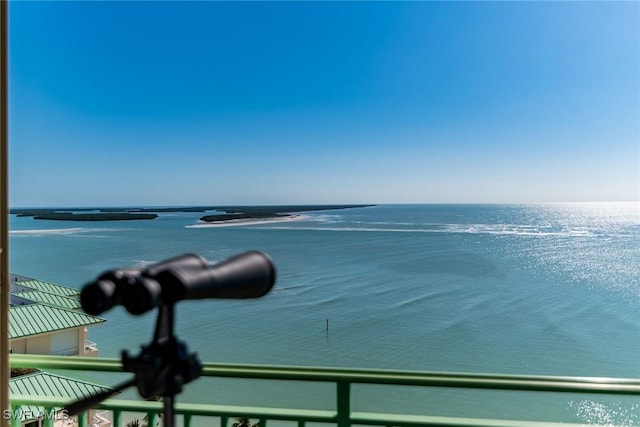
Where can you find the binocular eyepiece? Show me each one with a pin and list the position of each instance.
(247, 275)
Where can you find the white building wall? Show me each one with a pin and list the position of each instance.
(18, 346)
(65, 343)
(39, 344)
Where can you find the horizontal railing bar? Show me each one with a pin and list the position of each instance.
(431, 379)
(363, 376)
(255, 412)
(308, 415)
(428, 420)
(71, 363)
(198, 409)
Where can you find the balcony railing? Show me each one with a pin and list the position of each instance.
(71, 351)
(343, 414)
(90, 349)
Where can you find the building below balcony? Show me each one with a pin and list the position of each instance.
(45, 318)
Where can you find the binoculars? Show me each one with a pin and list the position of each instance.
(247, 275)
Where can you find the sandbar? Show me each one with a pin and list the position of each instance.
(248, 221)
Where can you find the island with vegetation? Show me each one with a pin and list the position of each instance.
(235, 213)
(228, 213)
(102, 216)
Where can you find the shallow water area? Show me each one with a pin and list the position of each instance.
(524, 289)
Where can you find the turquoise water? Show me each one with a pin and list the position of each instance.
(526, 289)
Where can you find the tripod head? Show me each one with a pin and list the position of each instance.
(165, 364)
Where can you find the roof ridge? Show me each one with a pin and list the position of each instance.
(35, 373)
(39, 372)
(20, 293)
(75, 312)
(47, 298)
(34, 319)
(22, 283)
(14, 307)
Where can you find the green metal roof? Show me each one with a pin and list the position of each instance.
(47, 384)
(44, 384)
(33, 319)
(49, 287)
(51, 299)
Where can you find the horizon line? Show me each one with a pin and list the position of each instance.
(212, 207)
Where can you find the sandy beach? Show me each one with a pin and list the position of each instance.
(247, 221)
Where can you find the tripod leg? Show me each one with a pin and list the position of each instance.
(168, 413)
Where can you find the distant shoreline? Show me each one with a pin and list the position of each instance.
(232, 215)
(112, 216)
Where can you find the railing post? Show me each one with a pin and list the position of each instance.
(117, 418)
(187, 420)
(83, 419)
(15, 419)
(152, 418)
(344, 403)
(5, 375)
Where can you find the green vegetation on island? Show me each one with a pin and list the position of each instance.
(116, 216)
(269, 212)
(242, 215)
(132, 213)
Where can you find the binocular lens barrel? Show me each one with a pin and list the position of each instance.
(247, 275)
(106, 291)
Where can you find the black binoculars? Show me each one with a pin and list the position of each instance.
(247, 275)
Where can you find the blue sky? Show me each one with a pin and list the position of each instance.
(198, 103)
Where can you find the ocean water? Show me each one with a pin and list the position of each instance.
(523, 289)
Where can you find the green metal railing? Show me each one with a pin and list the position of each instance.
(343, 379)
